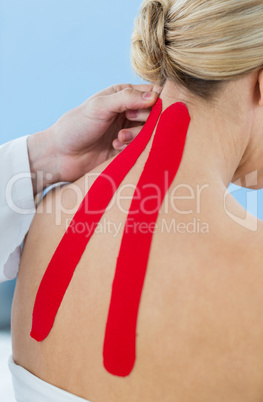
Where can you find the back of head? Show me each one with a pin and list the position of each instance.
(198, 43)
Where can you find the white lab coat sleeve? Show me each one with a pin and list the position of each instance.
(17, 207)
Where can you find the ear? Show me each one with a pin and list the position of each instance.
(260, 82)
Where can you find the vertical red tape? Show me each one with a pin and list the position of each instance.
(165, 156)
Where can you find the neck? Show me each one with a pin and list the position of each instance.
(218, 134)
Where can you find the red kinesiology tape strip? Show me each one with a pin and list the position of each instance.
(159, 172)
(70, 249)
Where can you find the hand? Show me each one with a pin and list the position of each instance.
(86, 136)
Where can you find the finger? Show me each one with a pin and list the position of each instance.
(120, 87)
(127, 99)
(118, 145)
(146, 88)
(138, 115)
(140, 87)
(127, 135)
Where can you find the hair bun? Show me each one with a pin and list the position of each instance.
(149, 42)
(198, 44)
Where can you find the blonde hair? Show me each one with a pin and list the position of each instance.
(198, 43)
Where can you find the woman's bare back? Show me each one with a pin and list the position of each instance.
(200, 323)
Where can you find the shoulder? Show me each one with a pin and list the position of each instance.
(60, 203)
(209, 311)
(53, 215)
(218, 275)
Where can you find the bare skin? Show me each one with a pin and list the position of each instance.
(200, 324)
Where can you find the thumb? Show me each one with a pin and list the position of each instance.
(129, 99)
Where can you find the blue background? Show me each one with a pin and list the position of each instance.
(54, 54)
(57, 53)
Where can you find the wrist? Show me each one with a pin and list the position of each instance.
(43, 160)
